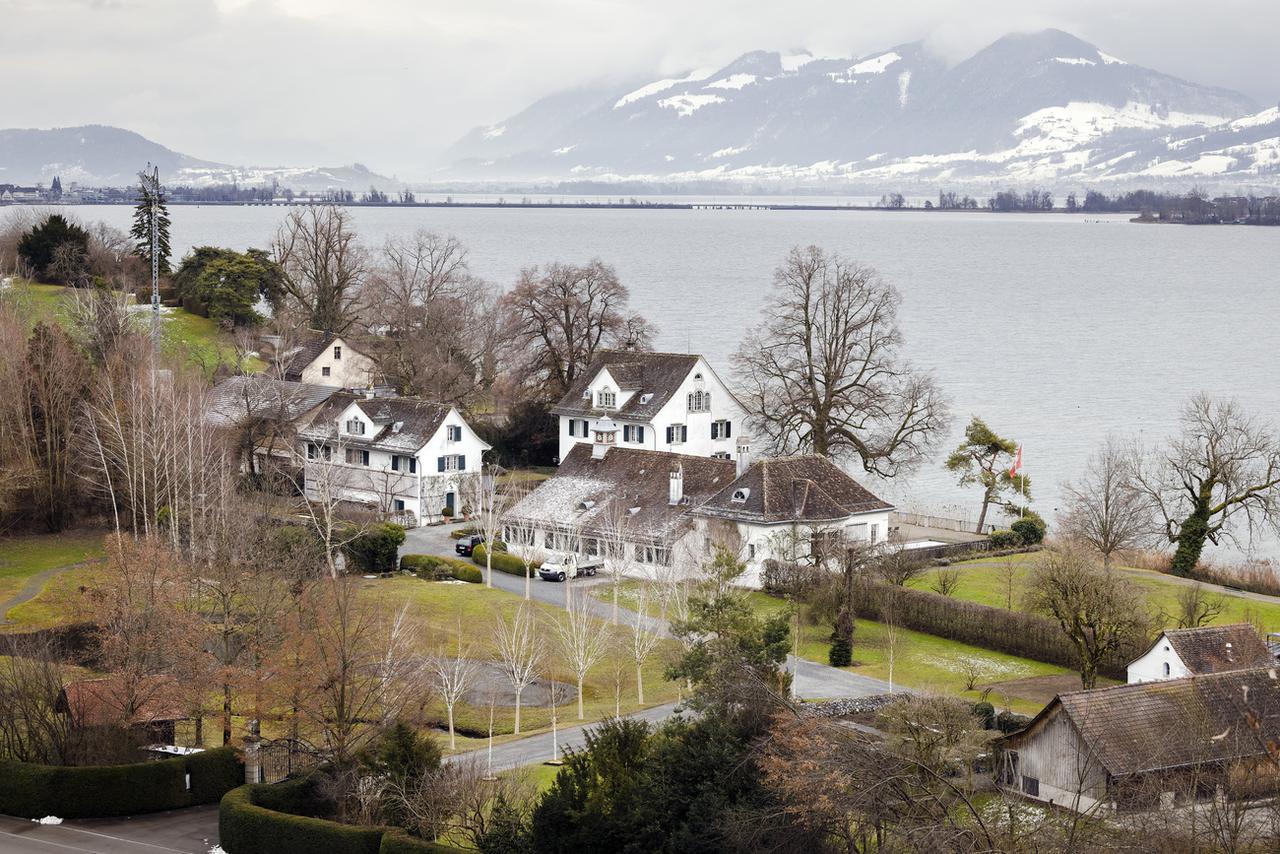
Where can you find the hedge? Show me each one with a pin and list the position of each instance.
(99, 791)
(1013, 632)
(271, 817)
(502, 562)
(437, 568)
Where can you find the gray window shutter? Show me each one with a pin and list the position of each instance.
(573, 427)
(728, 430)
(395, 462)
(413, 465)
(439, 463)
(684, 433)
(670, 435)
(462, 461)
(715, 430)
(639, 434)
(364, 458)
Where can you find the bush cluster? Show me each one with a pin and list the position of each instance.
(280, 818)
(1030, 530)
(502, 562)
(437, 568)
(1003, 538)
(375, 549)
(32, 791)
(1013, 632)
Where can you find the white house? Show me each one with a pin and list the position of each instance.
(328, 359)
(399, 456)
(667, 510)
(1208, 649)
(262, 412)
(661, 401)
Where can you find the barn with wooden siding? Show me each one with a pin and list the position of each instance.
(1134, 745)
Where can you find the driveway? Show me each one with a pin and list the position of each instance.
(189, 831)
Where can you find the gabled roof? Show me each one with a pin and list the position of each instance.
(1213, 649)
(589, 494)
(656, 374)
(237, 400)
(1152, 726)
(808, 488)
(295, 361)
(418, 421)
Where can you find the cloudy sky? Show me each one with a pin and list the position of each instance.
(390, 83)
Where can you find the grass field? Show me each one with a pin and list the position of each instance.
(476, 608)
(187, 337)
(983, 581)
(26, 556)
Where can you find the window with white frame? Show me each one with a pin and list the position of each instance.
(606, 398)
(721, 429)
(357, 457)
(677, 434)
(450, 462)
(355, 426)
(453, 432)
(399, 505)
(325, 371)
(655, 555)
(633, 433)
(740, 495)
(699, 401)
(751, 551)
(337, 353)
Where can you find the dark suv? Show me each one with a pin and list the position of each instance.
(466, 545)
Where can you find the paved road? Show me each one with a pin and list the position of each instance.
(189, 831)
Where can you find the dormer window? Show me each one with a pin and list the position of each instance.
(740, 496)
(355, 427)
(606, 398)
(699, 401)
(646, 397)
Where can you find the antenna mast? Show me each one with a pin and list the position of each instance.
(153, 180)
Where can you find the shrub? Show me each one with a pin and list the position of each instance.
(985, 712)
(502, 562)
(1030, 530)
(446, 512)
(375, 549)
(437, 568)
(841, 653)
(32, 791)
(464, 531)
(1008, 722)
(1005, 539)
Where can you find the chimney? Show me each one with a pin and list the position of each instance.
(676, 494)
(606, 434)
(744, 455)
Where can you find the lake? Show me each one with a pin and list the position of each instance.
(1056, 329)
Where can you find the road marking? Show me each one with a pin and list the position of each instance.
(25, 838)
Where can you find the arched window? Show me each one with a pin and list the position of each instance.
(1166, 668)
(606, 399)
(699, 401)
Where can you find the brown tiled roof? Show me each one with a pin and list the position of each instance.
(588, 494)
(104, 701)
(657, 374)
(807, 488)
(295, 361)
(418, 419)
(1151, 726)
(237, 400)
(1213, 649)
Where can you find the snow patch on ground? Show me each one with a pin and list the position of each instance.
(495, 132)
(658, 86)
(733, 81)
(875, 65)
(49, 819)
(904, 81)
(1205, 164)
(1265, 117)
(1074, 60)
(217, 849)
(687, 105)
(729, 152)
(1079, 122)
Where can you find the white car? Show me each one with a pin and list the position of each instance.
(567, 566)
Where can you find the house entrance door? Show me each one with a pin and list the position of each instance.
(448, 502)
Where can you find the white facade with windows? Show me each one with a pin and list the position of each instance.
(662, 401)
(402, 458)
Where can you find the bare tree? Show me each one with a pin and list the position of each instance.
(519, 652)
(896, 565)
(616, 550)
(524, 534)
(1105, 508)
(100, 320)
(1100, 612)
(823, 373)
(888, 605)
(583, 642)
(1196, 608)
(323, 265)
(563, 314)
(453, 675)
(946, 580)
(1007, 572)
(489, 505)
(54, 385)
(32, 729)
(1222, 470)
(644, 636)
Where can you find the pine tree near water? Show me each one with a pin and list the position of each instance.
(149, 189)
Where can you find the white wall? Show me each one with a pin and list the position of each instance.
(353, 370)
(762, 542)
(1151, 666)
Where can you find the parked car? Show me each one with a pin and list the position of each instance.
(567, 566)
(467, 544)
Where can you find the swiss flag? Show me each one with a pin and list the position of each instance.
(1017, 464)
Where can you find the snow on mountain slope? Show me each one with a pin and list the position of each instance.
(1028, 107)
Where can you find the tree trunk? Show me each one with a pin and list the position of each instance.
(581, 714)
(488, 565)
(1191, 536)
(226, 715)
(986, 502)
(639, 684)
(528, 576)
(453, 742)
(1088, 672)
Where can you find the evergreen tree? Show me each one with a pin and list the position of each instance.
(149, 189)
(39, 246)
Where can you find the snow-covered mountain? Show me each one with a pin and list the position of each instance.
(102, 156)
(1030, 107)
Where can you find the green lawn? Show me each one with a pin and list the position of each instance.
(443, 607)
(982, 581)
(186, 337)
(25, 556)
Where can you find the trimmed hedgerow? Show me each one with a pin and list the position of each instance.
(1013, 632)
(32, 791)
(437, 568)
(502, 562)
(280, 818)
(1004, 538)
